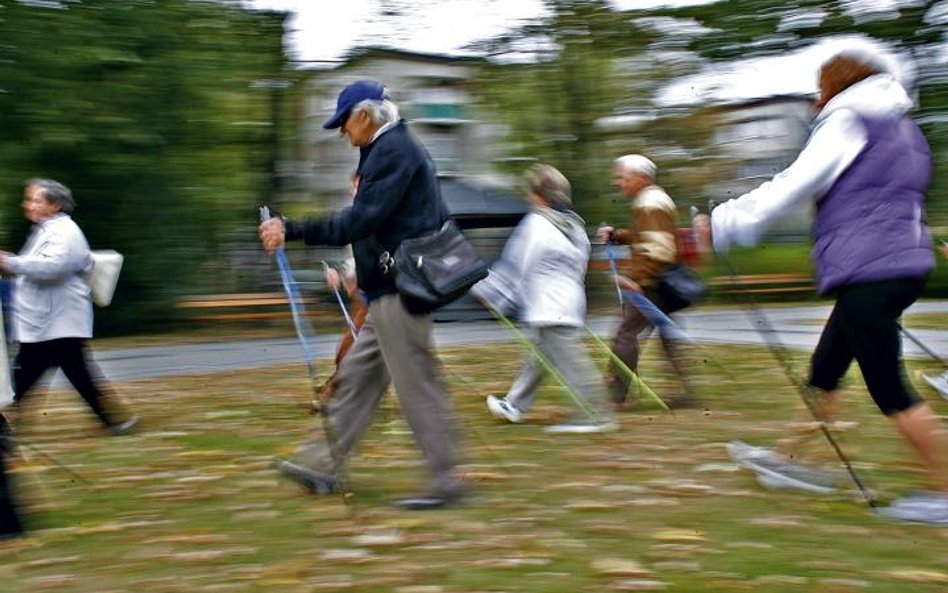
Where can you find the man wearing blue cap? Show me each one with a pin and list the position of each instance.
(397, 198)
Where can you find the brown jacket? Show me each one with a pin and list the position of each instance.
(651, 236)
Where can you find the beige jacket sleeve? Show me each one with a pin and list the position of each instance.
(651, 237)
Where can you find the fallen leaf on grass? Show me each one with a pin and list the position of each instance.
(638, 585)
(842, 585)
(679, 535)
(590, 505)
(918, 575)
(620, 567)
(382, 538)
(781, 579)
(355, 555)
(51, 561)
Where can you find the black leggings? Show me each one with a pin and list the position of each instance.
(864, 325)
(69, 354)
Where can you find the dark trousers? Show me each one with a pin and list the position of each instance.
(68, 354)
(10, 525)
(864, 326)
(627, 348)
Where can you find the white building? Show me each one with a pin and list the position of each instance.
(432, 93)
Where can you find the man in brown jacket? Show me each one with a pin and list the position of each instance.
(651, 241)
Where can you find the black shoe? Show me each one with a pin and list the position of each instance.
(314, 481)
(426, 502)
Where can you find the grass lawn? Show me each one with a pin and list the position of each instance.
(189, 503)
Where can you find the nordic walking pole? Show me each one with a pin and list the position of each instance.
(303, 328)
(615, 271)
(922, 345)
(15, 444)
(633, 377)
(342, 306)
(544, 361)
(777, 349)
(667, 327)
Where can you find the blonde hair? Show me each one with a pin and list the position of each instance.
(551, 185)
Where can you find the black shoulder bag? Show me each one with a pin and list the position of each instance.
(435, 268)
(680, 287)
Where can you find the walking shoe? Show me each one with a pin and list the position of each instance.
(314, 481)
(776, 471)
(582, 427)
(939, 382)
(501, 408)
(438, 497)
(124, 427)
(924, 507)
(741, 453)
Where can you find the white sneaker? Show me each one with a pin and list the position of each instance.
(926, 507)
(939, 382)
(501, 408)
(778, 472)
(740, 452)
(125, 427)
(785, 481)
(582, 427)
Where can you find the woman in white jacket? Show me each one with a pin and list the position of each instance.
(541, 274)
(52, 300)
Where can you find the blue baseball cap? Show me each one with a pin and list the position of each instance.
(351, 96)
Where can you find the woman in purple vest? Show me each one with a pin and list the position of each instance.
(866, 167)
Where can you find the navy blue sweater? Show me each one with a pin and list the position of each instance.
(398, 198)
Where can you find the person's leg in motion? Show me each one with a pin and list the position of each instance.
(360, 381)
(10, 523)
(71, 357)
(564, 348)
(924, 431)
(828, 365)
(873, 329)
(626, 348)
(405, 342)
(522, 392)
(32, 361)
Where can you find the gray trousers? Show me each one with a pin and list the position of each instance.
(392, 346)
(563, 346)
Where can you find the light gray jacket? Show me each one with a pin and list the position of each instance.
(51, 297)
(541, 272)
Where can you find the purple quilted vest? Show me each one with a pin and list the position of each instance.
(871, 224)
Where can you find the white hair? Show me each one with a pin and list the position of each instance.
(636, 163)
(381, 112)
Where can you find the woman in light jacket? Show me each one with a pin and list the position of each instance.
(542, 274)
(52, 301)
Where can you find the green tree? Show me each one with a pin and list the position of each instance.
(147, 110)
(742, 29)
(570, 79)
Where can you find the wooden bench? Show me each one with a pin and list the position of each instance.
(763, 283)
(239, 307)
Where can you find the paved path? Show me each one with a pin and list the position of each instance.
(795, 327)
